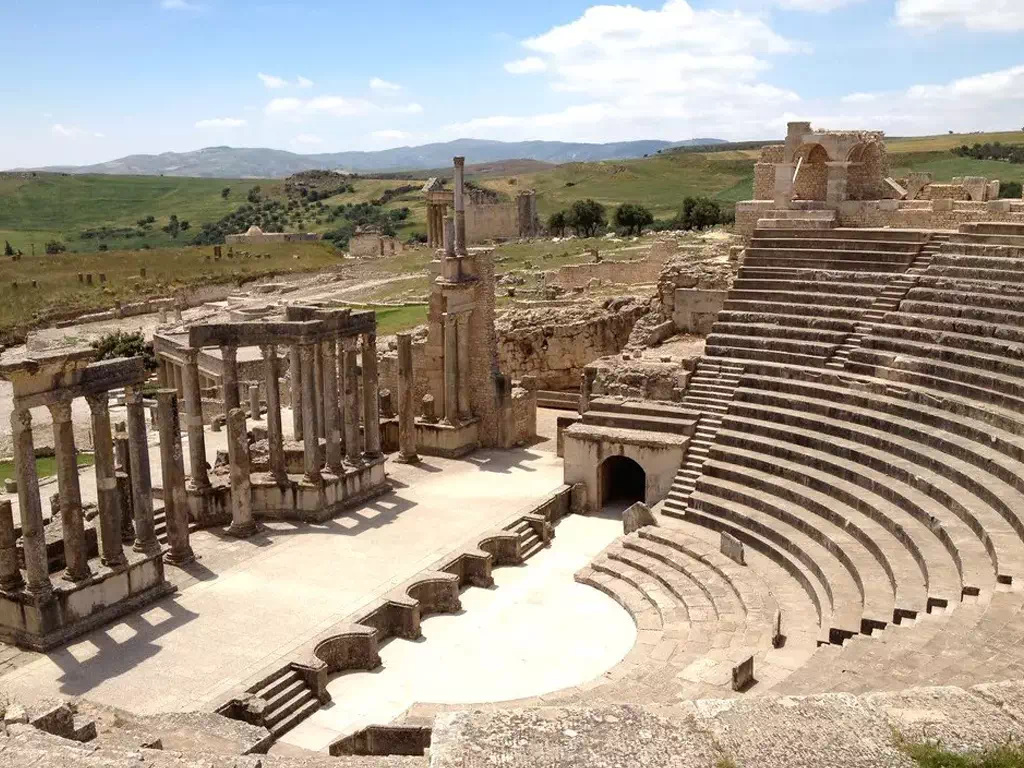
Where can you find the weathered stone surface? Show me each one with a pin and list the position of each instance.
(637, 516)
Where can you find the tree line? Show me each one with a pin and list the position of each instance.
(587, 218)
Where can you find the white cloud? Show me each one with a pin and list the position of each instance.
(671, 72)
(62, 131)
(178, 5)
(308, 140)
(283, 106)
(859, 98)
(378, 84)
(526, 66)
(221, 122)
(390, 135)
(304, 82)
(984, 15)
(335, 106)
(272, 81)
(409, 109)
(817, 6)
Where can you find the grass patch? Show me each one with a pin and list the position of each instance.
(935, 756)
(390, 321)
(45, 467)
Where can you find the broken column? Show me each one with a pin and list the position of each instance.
(229, 377)
(107, 501)
(242, 523)
(123, 473)
(406, 401)
(311, 443)
(275, 439)
(254, 401)
(371, 395)
(194, 423)
(451, 369)
(76, 555)
(295, 384)
(10, 573)
(173, 471)
(318, 390)
(142, 482)
(332, 426)
(460, 207)
(33, 541)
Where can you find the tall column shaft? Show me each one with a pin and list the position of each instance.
(242, 523)
(173, 471)
(194, 421)
(318, 386)
(142, 481)
(406, 401)
(109, 529)
(332, 425)
(451, 369)
(460, 206)
(462, 325)
(163, 373)
(311, 443)
(10, 573)
(33, 541)
(371, 396)
(352, 441)
(448, 238)
(76, 556)
(123, 466)
(295, 376)
(229, 377)
(275, 437)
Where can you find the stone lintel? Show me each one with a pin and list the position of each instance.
(282, 332)
(595, 434)
(39, 389)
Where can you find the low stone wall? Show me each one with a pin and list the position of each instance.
(273, 237)
(643, 379)
(616, 272)
(524, 415)
(694, 310)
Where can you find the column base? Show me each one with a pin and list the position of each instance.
(115, 562)
(147, 548)
(243, 530)
(12, 584)
(180, 558)
(76, 578)
(412, 458)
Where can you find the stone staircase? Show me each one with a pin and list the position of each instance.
(289, 700)
(709, 390)
(563, 401)
(806, 215)
(530, 543)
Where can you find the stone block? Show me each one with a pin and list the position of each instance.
(943, 205)
(637, 516)
(778, 639)
(11, 485)
(998, 206)
(743, 675)
(732, 548)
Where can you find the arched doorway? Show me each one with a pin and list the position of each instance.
(812, 180)
(622, 481)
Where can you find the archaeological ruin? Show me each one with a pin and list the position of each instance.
(768, 510)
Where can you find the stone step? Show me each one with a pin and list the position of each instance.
(642, 408)
(793, 298)
(825, 262)
(278, 684)
(841, 233)
(831, 253)
(638, 422)
(809, 241)
(778, 329)
(777, 343)
(299, 700)
(745, 353)
(301, 713)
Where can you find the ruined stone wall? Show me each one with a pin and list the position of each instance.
(618, 272)
(483, 396)
(639, 378)
(273, 237)
(764, 172)
(553, 346)
(944, 192)
(495, 221)
(812, 182)
(373, 246)
(866, 178)
(524, 415)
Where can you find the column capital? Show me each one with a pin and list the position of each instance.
(268, 351)
(229, 353)
(306, 352)
(98, 403)
(459, 161)
(21, 418)
(60, 411)
(132, 396)
(191, 355)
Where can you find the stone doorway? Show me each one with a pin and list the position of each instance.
(622, 481)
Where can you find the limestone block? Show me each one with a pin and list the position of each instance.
(743, 675)
(732, 548)
(637, 516)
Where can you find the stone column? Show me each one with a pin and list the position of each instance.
(109, 529)
(352, 441)
(371, 397)
(311, 443)
(10, 573)
(586, 389)
(275, 437)
(163, 372)
(449, 237)
(142, 482)
(124, 485)
(460, 207)
(318, 390)
(332, 425)
(295, 374)
(242, 524)
(229, 377)
(838, 177)
(33, 539)
(406, 401)
(194, 416)
(451, 369)
(173, 470)
(462, 324)
(75, 554)
(254, 402)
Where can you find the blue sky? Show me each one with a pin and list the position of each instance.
(91, 81)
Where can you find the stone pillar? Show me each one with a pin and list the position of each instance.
(229, 377)
(352, 441)
(142, 482)
(254, 402)
(451, 369)
(124, 484)
(33, 539)
(406, 401)
(586, 389)
(460, 207)
(173, 471)
(295, 374)
(10, 573)
(163, 373)
(194, 411)
(449, 237)
(318, 390)
(275, 438)
(332, 421)
(462, 325)
(784, 185)
(75, 554)
(109, 528)
(838, 176)
(242, 524)
(371, 397)
(311, 443)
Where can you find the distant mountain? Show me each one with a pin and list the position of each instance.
(231, 162)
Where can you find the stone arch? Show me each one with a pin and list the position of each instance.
(866, 174)
(621, 479)
(812, 181)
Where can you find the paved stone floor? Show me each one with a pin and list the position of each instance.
(536, 631)
(246, 604)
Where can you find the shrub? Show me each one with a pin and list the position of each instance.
(124, 344)
(225, 192)
(55, 246)
(586, 217)
(633, 218)
(8, 250)
(1010, 189)
(557, 222)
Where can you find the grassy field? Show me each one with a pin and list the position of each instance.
(45, 467)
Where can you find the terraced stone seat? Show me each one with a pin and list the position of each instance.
(640, 415)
